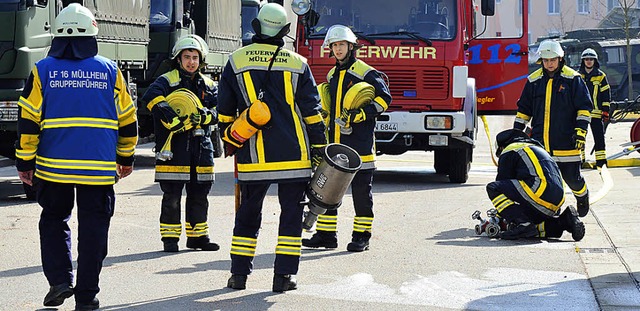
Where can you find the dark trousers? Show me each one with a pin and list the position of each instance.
(197, 204)
(362, 194)
(95, 207)
(597, 128)
(522, 211)
(249, 218)
(571, 175)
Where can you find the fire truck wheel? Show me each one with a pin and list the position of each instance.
(460, 163)
(441, 161)
(635, 132)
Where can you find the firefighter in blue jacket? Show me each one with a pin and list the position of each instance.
(528, 190)
(598, 85)
(78, 131)
(190, 164)
(347, 72)
(280, 152)
(557, 102)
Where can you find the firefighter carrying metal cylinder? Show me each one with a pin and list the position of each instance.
(330, 181)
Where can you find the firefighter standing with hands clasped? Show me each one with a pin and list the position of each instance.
(528, 190)
(279, 127)
(557, 102)
(184, 151)
(600, 91)
(354, 127)
(78, 131)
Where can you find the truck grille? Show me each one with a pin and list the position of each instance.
(432, 83)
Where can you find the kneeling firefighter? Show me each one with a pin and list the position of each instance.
(182, 102)
(528, 191)
(352, 125)
(277, 152)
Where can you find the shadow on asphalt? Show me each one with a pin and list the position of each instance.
(468, 237)
(255, 301)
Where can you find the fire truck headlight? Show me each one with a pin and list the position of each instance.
(438, 122)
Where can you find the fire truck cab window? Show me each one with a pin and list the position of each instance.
(161, 12)
(431, 19)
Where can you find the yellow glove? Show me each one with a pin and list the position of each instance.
(579, 137)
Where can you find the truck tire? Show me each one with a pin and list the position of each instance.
(441, 161)
(460, 165)
(29, 191)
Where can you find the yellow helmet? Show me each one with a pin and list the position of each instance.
(191, 42)
(339, 33)
(75, 21)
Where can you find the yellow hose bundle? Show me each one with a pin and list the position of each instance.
(184, 103)
(247, 124)
(325, 100)
(359, 95)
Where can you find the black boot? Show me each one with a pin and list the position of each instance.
(583, 204)
(284, 282)
(202, 243)
(322, 239)
(521, 230)
(572, 223)
(170, 245)
(359, 242)
(89, 305)
(57, 294)
(237, 281)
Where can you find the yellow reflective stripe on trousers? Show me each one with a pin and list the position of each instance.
(76, 179)
(79, 122)
(327, 223)
(201, 229)
(501, 202)
(362, 224)
(243, 246)
(170, 230)
(76, 164)
(289, 245)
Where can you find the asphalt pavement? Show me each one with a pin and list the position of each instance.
(424, 252)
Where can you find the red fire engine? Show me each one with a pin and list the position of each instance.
(446, 61)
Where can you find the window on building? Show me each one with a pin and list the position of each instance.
(612, 4)
(583, 6)
(554, 6)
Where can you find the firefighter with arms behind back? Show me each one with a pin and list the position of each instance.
(77, 129)
(264, 77)
(528, 191)
(189, 164)
(600, 91)
(557, 102)
(354, 127)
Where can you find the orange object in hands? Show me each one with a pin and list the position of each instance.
(247, 124)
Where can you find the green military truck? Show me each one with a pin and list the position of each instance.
(139, 35)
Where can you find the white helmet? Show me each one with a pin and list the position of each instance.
(550, 49)
(272, 18)
(75, 21)
(191, 42)
(589, 53)
(339, 33)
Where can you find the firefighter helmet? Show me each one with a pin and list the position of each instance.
(550, 49)
(506, 137)
(75, 21)
(272, 18)
(339, 33)
(191, 42)
(589, 53)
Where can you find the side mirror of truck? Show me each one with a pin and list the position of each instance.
(37, 3)
(312, 18)
(488, 7)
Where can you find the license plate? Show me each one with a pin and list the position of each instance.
(386, 127)
(8, 114)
